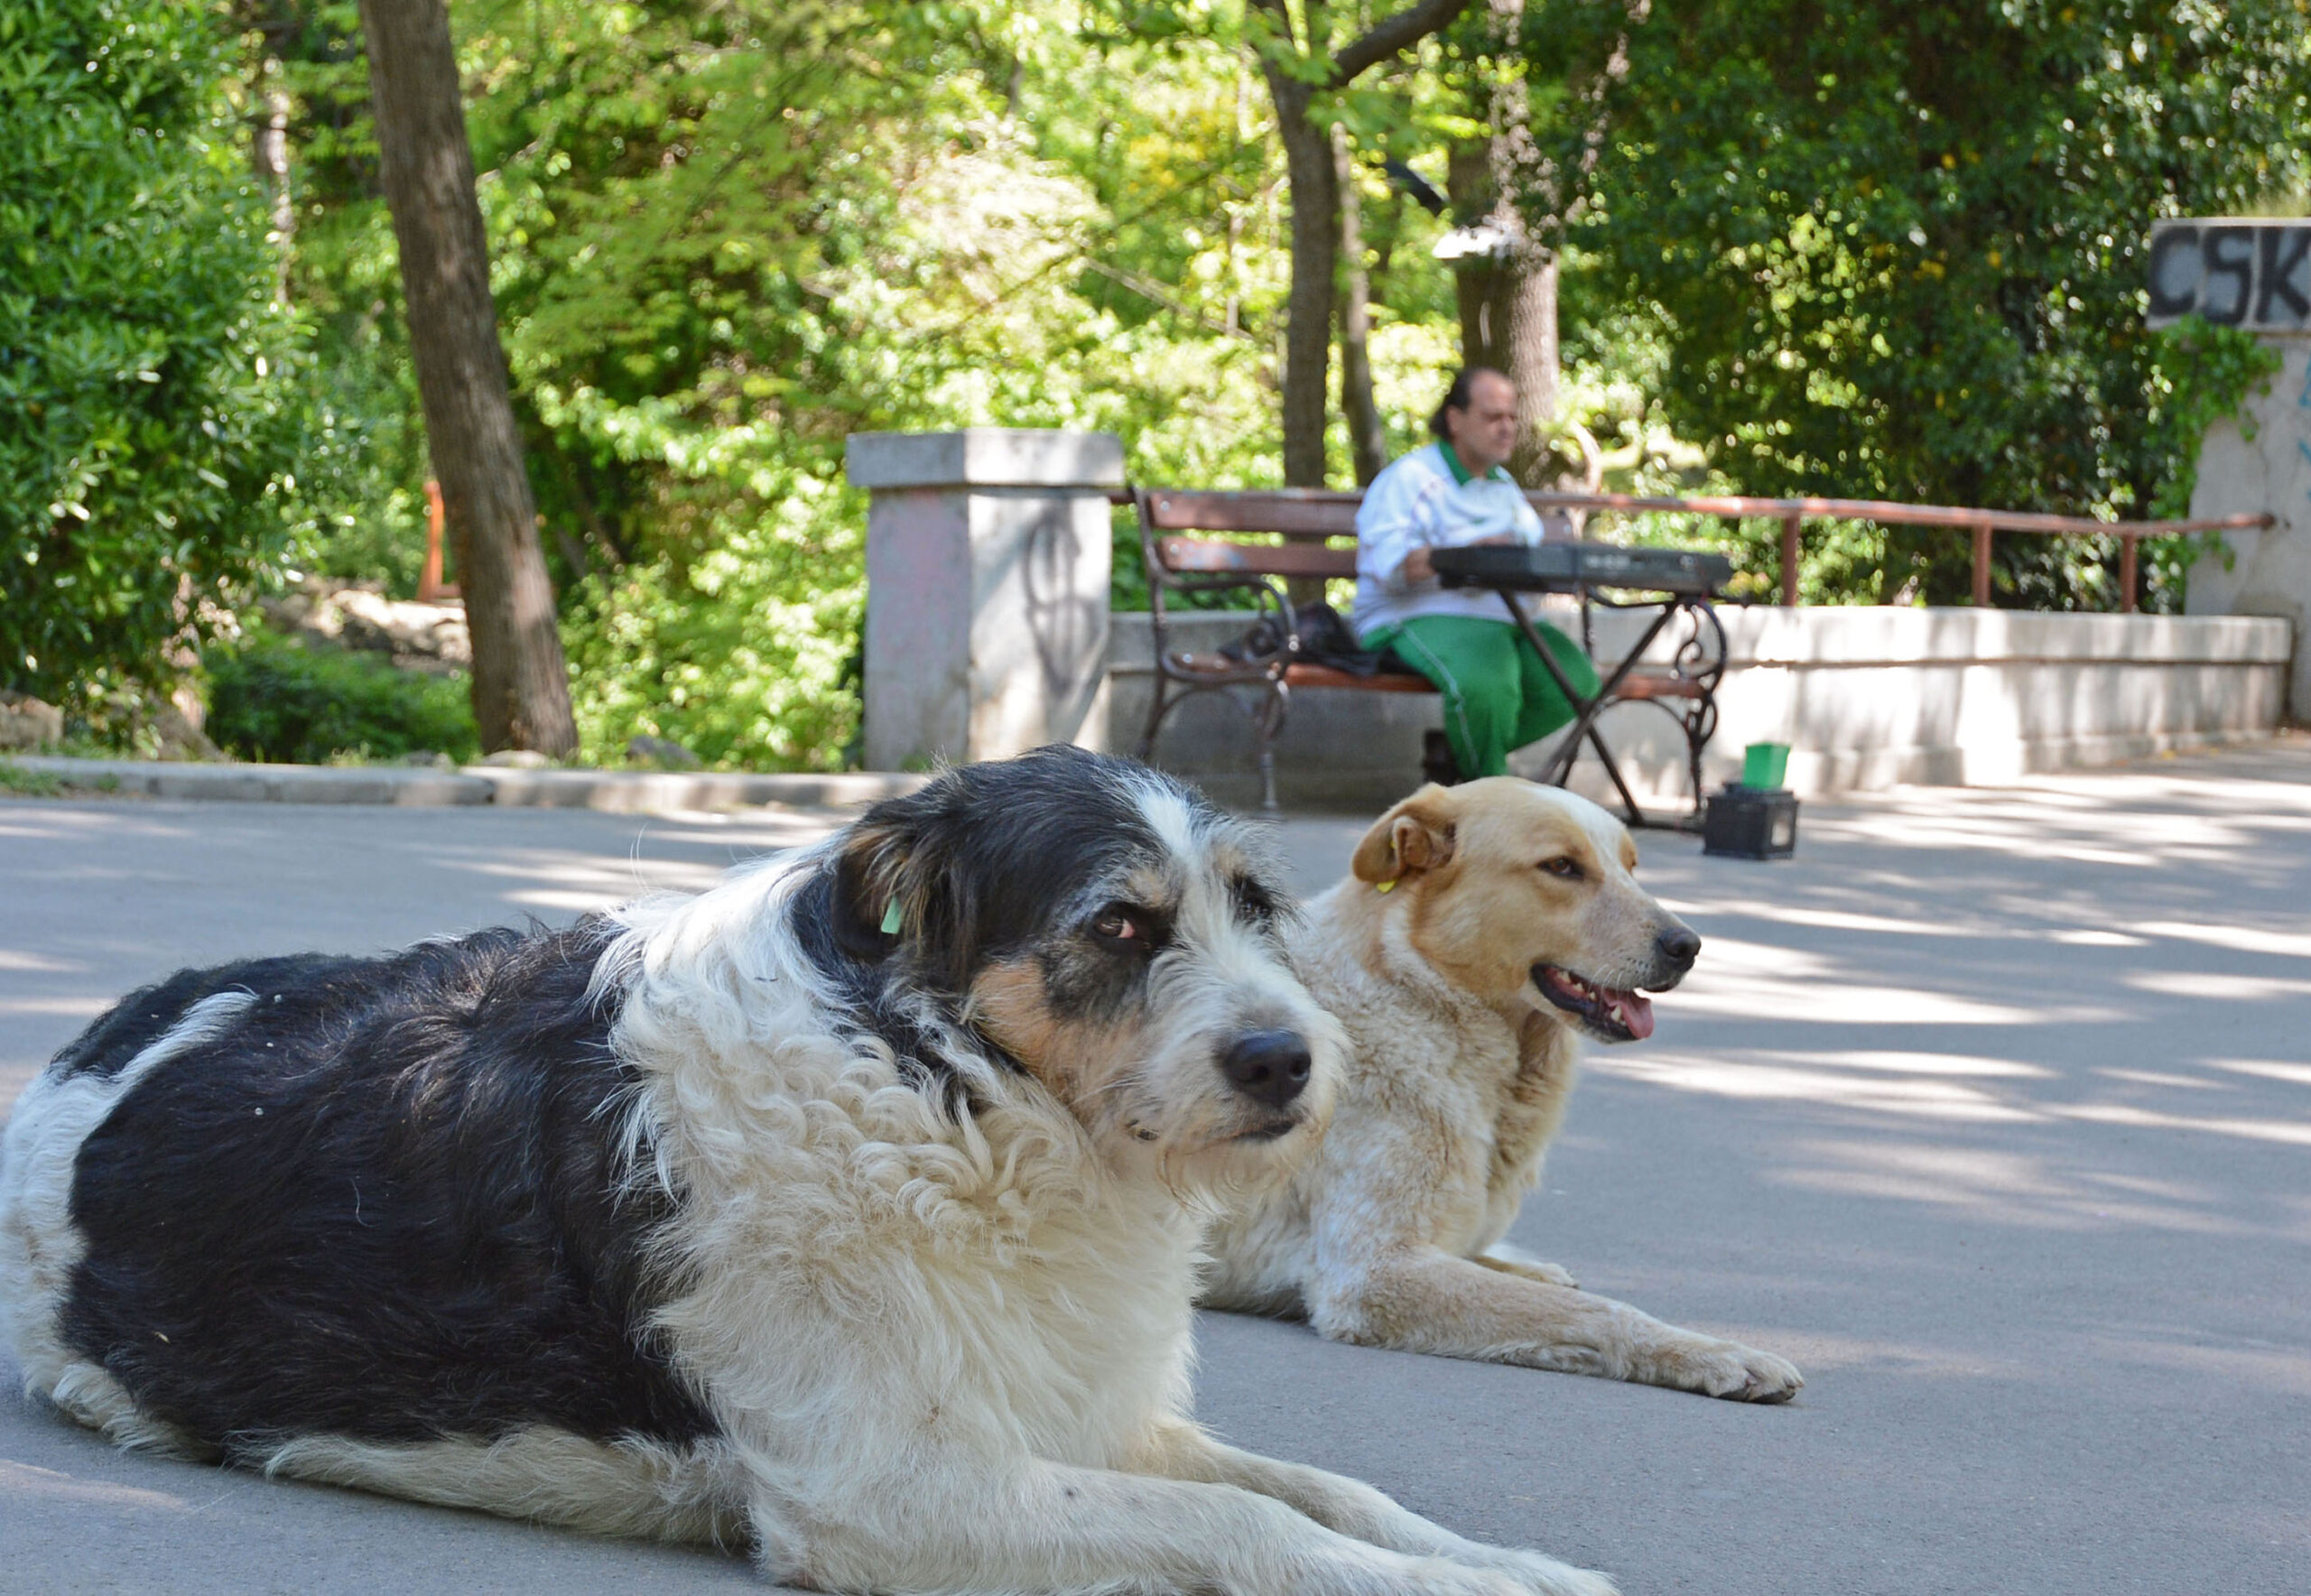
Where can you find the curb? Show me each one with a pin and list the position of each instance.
(617, 792)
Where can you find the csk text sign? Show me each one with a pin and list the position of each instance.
(2250, 274)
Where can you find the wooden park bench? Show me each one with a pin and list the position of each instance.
(1296, 528)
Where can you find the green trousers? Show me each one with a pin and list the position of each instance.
(1498, 695)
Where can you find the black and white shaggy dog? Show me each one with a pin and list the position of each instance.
(850, 1210)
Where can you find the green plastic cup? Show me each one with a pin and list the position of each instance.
(1763, 765)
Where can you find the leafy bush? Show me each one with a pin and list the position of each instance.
(745, 655)
(154, 416)
(1899, 250)
(275, 699)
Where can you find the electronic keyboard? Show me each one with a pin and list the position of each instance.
(1562, 567)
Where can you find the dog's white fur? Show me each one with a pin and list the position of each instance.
(945, 1352)
(1458, 1075)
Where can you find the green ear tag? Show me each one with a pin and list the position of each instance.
(1388, 886)
(891, 919)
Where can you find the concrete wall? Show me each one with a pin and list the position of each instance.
(2263, 464)
(1867, 697)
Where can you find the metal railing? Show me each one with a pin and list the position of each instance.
(1794, 513)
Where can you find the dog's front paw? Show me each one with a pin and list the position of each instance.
(1545, 1576)
(1731, 1370)
(1399, 1574)
(1442, 1577)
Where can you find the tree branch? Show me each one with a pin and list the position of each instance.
(1280, 19)
(1399, 32)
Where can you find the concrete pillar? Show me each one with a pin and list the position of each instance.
(987, 567)
(2269, 572)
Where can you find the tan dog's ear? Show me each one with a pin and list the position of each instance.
(1415, 835)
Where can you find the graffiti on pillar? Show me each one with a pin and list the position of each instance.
(2252, 274)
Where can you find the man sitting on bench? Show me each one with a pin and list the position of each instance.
(1455, 492)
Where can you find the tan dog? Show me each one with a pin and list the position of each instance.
(1485, 929)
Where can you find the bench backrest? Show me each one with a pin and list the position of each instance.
(1305, 517)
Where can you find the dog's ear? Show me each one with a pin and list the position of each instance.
(1415, 835)
(898, 887)
(872, 910)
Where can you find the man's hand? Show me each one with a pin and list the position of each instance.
(1420, 568)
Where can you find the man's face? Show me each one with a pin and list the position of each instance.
(1485, 433)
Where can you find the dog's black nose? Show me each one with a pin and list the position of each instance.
(1269, 1067)
(1678, 944)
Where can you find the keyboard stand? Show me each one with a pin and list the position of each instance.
(1697, 671)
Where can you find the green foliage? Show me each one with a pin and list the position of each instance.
(744, 655)
(1899, 249)
(20, 783)
(275, 699)
(1846, 247)
(157, 446)
(726, 235)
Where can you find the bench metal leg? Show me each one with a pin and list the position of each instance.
(1268, 723)
(1158, 707)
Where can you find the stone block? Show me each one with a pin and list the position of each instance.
(26, 722)
(987, 569)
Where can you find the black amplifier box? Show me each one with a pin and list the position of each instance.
(1750, 823)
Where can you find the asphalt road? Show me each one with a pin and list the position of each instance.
(1993, 1110)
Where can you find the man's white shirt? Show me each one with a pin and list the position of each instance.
(1421, 502)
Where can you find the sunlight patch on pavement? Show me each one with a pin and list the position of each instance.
(86, 1008)
(2211, 988)
(1824, 919)
(2265, 1365)
(2238, 939)
(36, 963)
(1754, 980)
(26, 1479)
(2006, 1189)
(1818, 1351)
(2173, 1082)
(2294, 1133)
(1929, 1085)
(2293, 1074)
(2096, 939)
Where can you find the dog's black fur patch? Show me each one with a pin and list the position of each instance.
(385, 1203)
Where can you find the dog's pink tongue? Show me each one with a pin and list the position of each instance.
(1637, 1013)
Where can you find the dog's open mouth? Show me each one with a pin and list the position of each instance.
(1607, 1013)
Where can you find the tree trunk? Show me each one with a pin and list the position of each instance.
(1367, 440)
(269, 151)
(1509, 322)
(1308, 310)
(1316, 194)
(521, 685)
(1508, 299)
(1530, 277)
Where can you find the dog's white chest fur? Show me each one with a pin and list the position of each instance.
(833, 1200)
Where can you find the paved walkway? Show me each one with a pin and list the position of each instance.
(1992, 1109)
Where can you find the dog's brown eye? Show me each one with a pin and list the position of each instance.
(1120, 927)
(1564, 867)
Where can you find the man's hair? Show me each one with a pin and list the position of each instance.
(1456, 397)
